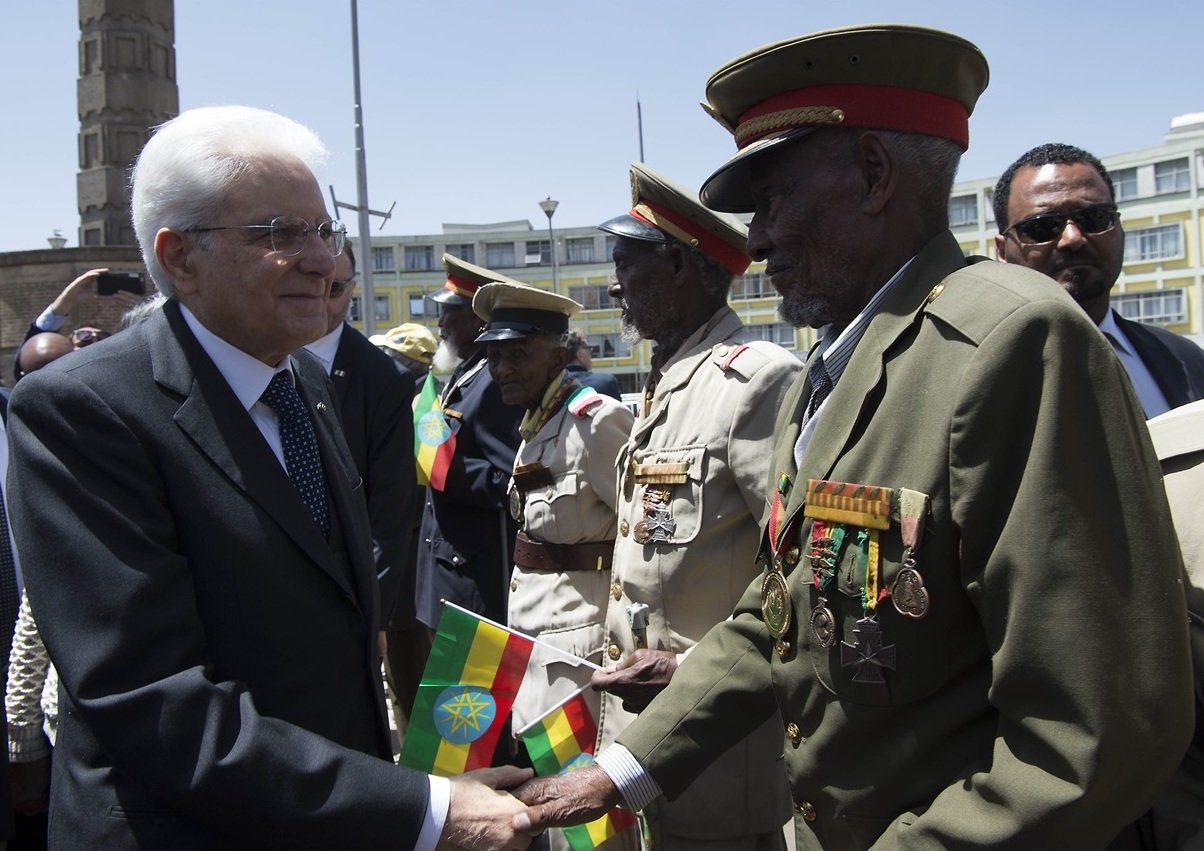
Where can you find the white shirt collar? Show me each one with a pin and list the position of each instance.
(247, 376)
(326, 347)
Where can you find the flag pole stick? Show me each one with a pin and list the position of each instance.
(577, 660)
(550, 711)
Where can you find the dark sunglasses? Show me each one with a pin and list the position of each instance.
(337, 287)
(81, 337)
(1046, 227)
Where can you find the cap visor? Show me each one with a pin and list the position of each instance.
(631, 227)
(729, 189)
(448, 297)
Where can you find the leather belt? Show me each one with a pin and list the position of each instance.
(536, 555)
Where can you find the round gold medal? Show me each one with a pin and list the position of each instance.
(909, 595)
(775, 603)
(516, 504)
(823, 625)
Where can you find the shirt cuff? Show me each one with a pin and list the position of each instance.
(49, 320)
(437, 804)
(635, 785)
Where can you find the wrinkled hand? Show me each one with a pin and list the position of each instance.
(482, 818)
(565, 799)
(639, 678)
(382, 644)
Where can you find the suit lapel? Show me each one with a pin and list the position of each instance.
(342, 367)
(1168, 372)
(213, 418)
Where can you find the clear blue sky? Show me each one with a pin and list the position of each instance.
(477, 109)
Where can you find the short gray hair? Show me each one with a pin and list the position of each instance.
(182, 175)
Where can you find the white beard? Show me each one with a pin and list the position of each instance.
(446, 358)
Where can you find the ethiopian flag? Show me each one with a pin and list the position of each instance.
(434, 440)
(563, 741)
(467, 689)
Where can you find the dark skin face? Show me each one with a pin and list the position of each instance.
(1086, 265)
(522, 369)
(460, 327)
(657, 288)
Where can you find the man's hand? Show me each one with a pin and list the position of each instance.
(639, 678)
(565, 799)
(83, 289)
(482, 818)
(30, 783)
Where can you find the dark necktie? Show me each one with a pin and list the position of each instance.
(8, 582)
(300, 444)
(821, 386)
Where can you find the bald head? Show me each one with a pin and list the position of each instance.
(41, 349)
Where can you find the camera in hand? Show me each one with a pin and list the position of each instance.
(108, 283)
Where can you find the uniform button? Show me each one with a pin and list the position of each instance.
(616, 591)
(548, 493)
(807, 811)
(792, 556)
(456, 560)
(614, 652)
(513, 584)
(721, 350)
(624, 528)
(793, 733)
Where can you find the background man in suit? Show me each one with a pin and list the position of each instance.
(464, 549)
(374, 407)
(581, 361)
(962, 489)
(1056, 211)
(211, 601)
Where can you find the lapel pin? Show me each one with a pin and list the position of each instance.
(321, 406)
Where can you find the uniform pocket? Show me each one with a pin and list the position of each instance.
(669, 485)
(550, 514)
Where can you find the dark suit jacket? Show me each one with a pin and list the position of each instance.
(378, 423)
(220, 683)
(604, 383)
(467, 532)
(1176, 363)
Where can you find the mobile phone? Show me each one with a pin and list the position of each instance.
(108, 283)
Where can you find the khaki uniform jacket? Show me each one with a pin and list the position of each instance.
(565, 609)
(1046, 696)
(712, 415)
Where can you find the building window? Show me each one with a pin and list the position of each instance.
(774, 332)
(382, 308)
(1161, 307)
(580, 250)
(592, 297)
(420, 258)
(1163, 242)
(92, 236)
(750, 285)
(419, 307)
(608, 346)
(382, 259)
(963, 210)
(353, 310)
(611, 241)
(499, 255)
(1125, 184)
(1172, 176)
(466, 252)
(539, 253)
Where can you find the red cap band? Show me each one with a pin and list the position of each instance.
(728, 255)
(461, 287)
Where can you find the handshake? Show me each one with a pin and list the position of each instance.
(505, 808)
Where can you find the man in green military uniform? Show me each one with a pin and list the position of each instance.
(562, 494)
(691, 494)
(971, 623)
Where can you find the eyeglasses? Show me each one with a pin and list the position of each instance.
(1047, 227)
(337, 287)
(81, 337)
(289, 233)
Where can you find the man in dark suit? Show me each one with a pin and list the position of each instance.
(1056, 211)
(374, 407)
(467, 532)
(210, 601)
(581, 359)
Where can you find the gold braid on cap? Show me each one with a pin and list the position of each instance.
(718, 116)
(787, 119)
(667, 226)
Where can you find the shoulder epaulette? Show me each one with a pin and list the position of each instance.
(584, 401)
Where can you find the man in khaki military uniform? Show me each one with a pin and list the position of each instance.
(562, 493)
(691, 492)
(971, 626)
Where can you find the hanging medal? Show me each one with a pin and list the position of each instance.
(908, 593)
(824, 548)
(867, 655)
(776, 607)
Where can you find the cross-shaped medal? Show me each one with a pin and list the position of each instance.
(868, 655)
(660, 524)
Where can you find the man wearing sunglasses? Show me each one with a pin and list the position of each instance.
(374, 405)
(1056, 211)
(211, 600)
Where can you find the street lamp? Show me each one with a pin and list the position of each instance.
(549, 207)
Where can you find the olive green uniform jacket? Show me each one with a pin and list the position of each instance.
(710, 424)
(1046, 696)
